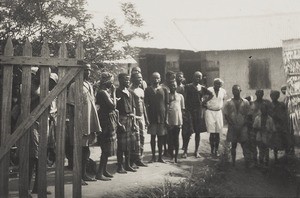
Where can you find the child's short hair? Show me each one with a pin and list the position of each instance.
(275, 94)
(259, 91)
(122, 76)
(136, 69)
(105, 78)
(249, 98)
(170, 75)
(134, 75)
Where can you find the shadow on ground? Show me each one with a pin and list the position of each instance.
(214, 177)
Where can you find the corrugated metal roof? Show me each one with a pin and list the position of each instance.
(167, 38)
(233, 33)
(255, 32)
(209, 25)
(126, 60)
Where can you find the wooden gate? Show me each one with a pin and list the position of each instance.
(68, 69)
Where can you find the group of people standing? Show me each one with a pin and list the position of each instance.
(261, 124)
(120, 118)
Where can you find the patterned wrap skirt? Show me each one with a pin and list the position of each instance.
(142, 128)
(107, 139)
(108, 144)
(127, 134)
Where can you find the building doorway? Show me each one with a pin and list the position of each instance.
(211, 74)
(150, 63)
(189, 67)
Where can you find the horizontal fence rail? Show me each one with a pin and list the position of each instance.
(69, 70)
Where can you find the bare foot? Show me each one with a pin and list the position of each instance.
(103, 178)
(161, 160)
(197, 155)
(107, 174)
(153, 159)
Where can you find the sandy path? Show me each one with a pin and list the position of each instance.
(151, 176)
(238, 182)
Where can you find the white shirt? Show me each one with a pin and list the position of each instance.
(216, 103)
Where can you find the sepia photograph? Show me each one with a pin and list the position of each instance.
(154, 99)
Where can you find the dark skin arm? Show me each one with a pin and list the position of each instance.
(209, 94)
(133, 106)
(146, 101)
(229, 121)
(167, 99)
(145, 115)
(108, 101)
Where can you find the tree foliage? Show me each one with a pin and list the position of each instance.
(38, 19)
(68, 20)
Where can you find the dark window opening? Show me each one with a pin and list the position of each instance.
(259, 74)
(3, 3)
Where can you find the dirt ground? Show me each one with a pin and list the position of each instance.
(275, 181)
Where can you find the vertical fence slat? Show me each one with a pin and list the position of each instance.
(61, 128)
(77, 152)
(44, 126)
(25, 112)
(6, 118)
(77, 156)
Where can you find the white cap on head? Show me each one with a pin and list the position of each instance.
(218, 80)
(34, 70)
(54, 77)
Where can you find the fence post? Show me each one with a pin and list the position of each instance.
(25, 112)
(6, 118)
(37, 112)
(77, 156)
(61, 129)
(44, 126)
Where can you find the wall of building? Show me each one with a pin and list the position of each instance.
(190, 62)
(172, 56)
(234, 68)
(231, 66)
(171, 62)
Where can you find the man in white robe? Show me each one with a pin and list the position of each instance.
(214, 116)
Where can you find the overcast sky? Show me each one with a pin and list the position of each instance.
(155, 12)
(162, 16)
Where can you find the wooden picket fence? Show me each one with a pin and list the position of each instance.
(68, 69)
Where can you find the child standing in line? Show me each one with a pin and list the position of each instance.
(264, 127)
(106, 101)
(280, 117)
(141, 117)
(157, 102)
(126, 142)
(170, 78)
(175, 119)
